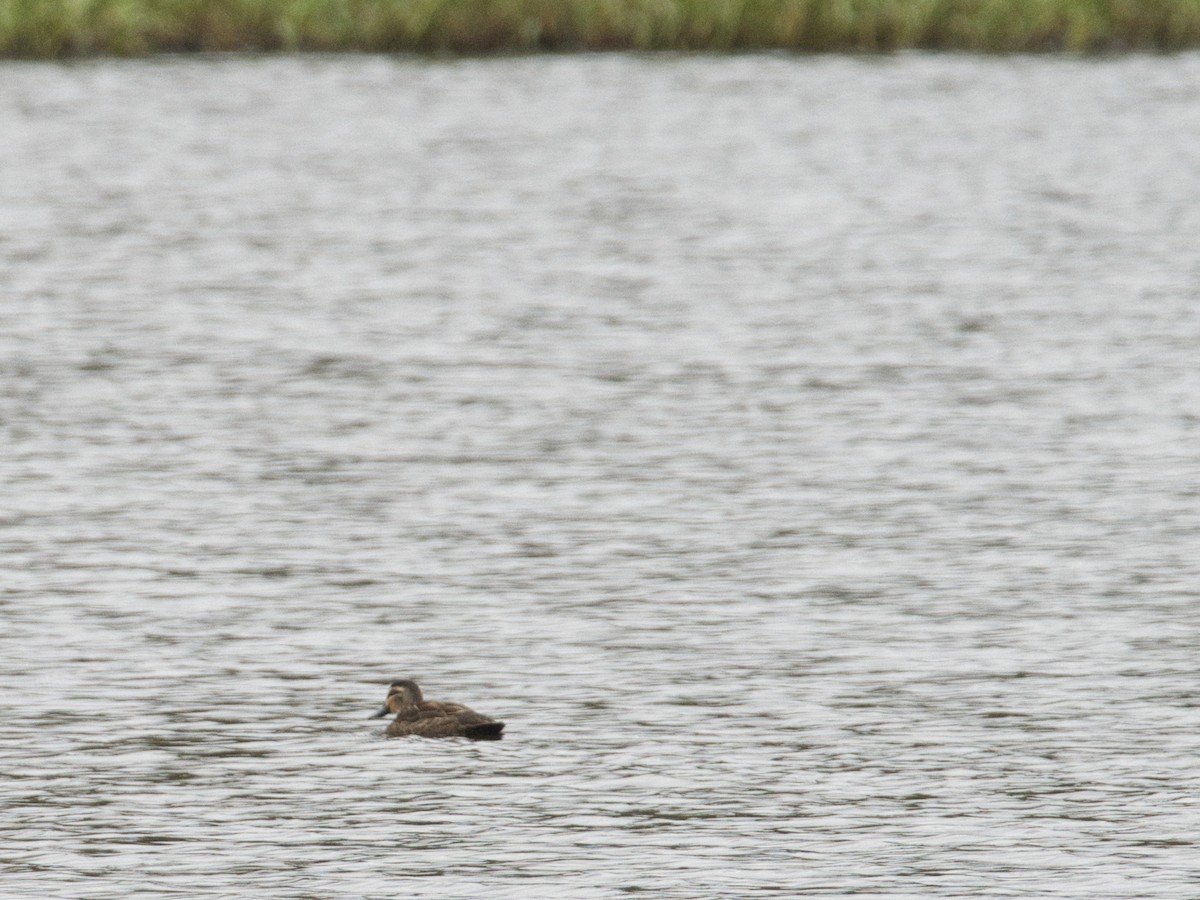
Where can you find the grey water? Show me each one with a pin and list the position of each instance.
(800, 454)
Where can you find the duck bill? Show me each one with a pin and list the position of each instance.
(383, 712)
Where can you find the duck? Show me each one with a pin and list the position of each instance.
(433, 718)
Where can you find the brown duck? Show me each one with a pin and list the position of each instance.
(433, 718)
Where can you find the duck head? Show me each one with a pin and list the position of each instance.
(401, 692)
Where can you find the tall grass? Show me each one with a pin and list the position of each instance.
(58, 28)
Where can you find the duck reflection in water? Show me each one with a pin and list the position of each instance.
(433, 718)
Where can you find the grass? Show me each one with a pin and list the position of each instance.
(65, 28)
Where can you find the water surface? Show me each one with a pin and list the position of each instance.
(800, 454)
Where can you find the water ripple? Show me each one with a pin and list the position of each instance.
(795, 453)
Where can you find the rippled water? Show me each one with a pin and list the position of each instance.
(800, 454)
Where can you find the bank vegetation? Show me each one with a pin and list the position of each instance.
(67, 28)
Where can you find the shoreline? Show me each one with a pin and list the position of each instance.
(63, 29)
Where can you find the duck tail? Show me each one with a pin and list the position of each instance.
(485, 731)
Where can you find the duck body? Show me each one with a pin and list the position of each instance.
(434, 718)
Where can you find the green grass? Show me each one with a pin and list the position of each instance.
(62, 28)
